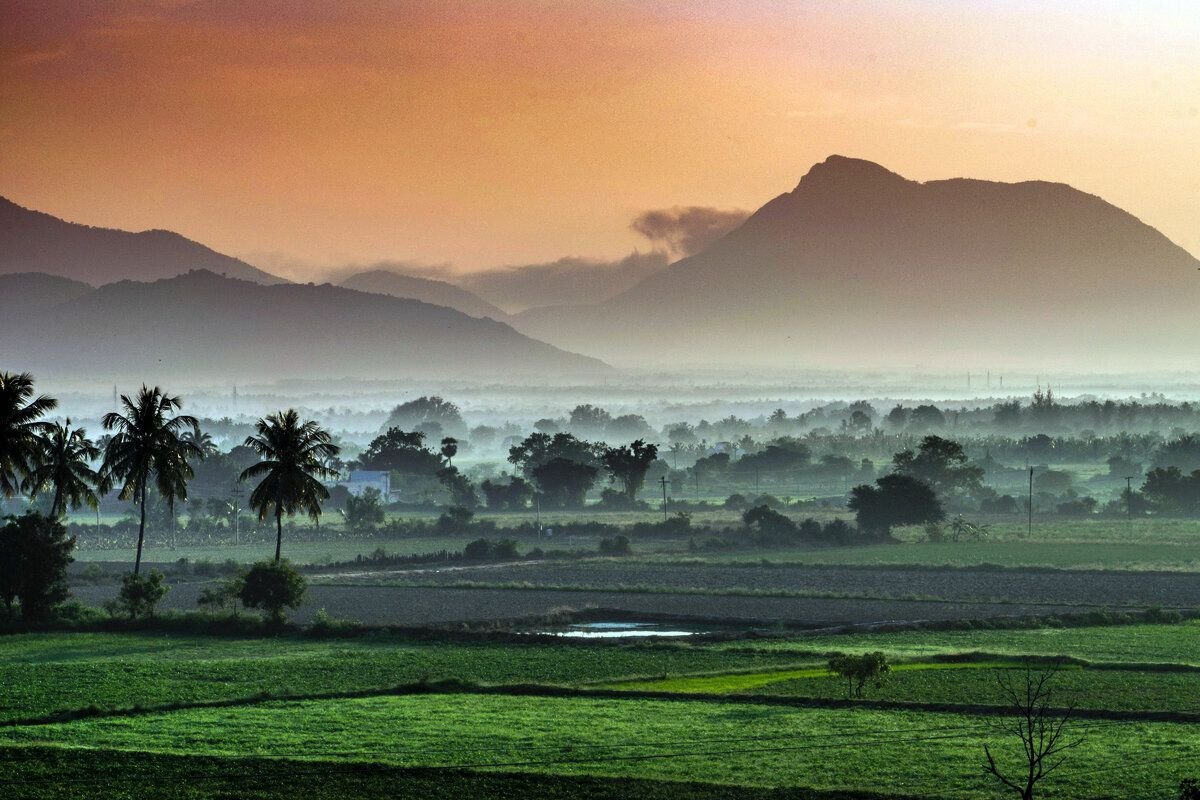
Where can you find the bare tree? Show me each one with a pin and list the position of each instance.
(1038, 724)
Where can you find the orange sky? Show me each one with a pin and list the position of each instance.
(508, 132)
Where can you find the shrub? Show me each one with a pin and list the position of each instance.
(222, 597)
(141, 594)
(272, 587)
(616, 546)
(478, 550)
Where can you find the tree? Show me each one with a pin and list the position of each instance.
(141, 594)
(34, 554)
(768, 523)
(272, 587)
(449, 450)
(293, 455)
(564, 483)
(537, 449)
(65, 465)
(942, 463)
(510, 496)
(894, 500)
(425, 410)
(398, 451)
(364, 512)
(785, 454)
(860, 670)
(589, 420)
(462, 491)
(148, 443)
(628, 465)
(1034, 721)
(21, 429)
(202, 440)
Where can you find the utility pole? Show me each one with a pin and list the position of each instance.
(1129, 503)
(663, 480)
(537, 512)
(1031, 502)
(236, 494)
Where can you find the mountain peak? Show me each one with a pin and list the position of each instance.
(841, 173)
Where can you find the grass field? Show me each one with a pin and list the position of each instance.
(928, 754)
(1149, 544)
(279, 700)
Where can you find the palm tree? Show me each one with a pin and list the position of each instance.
(449, 450)
(294, 457)
(20, 430)
(65, 464)
(202, 440)
(148, 443)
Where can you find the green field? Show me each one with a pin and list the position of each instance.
(1149, 544)
(162, 702)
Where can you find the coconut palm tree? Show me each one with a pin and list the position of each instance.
(202, 440)
(20, 430)
(65, 465)
(294, 457)
(148, 444)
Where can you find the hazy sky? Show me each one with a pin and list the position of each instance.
(508, 132)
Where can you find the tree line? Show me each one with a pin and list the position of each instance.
(151, 445)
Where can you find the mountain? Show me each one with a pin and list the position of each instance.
(31, 241)
(427, 290)
(25, 291)
(860, 266)
(201, 326)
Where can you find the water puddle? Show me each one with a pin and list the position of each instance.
(616, 630)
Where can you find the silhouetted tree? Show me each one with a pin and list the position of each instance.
(564, 483)
(1037, 724)
(34, 554)
(449, 450)
(21, 430)
(942, 464)
(424, 410)
(148, 444)
(894, 500)
(294, 455)
(400, 451)
(628, 465)
(65, 467)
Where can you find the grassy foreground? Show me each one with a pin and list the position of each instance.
(206, 726)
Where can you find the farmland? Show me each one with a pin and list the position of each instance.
(746, 714)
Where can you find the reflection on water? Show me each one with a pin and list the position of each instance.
(615, 630)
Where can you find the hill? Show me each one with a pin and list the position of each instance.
(860, 266)
(427, 290)
(31, 241)
(202, 326)
(24, 291)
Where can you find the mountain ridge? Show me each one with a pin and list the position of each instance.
(36, 241)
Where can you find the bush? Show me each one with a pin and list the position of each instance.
(141, 594)
(222, 597)
(272, 587)
(616, 546)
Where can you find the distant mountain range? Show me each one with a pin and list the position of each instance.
(427, 290)
(203, 326)
(858, 266)
(31, 241)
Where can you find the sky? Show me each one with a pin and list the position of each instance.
(477, 134)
